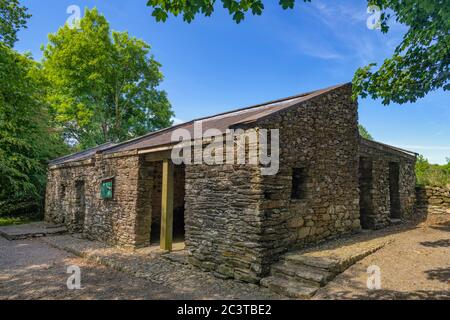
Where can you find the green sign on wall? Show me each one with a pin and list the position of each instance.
(106, 189)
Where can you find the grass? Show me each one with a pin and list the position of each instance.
(10, 221)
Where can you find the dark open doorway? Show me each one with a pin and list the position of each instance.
(365, 193)
(178, 203)
(80, 205)
(394, 190)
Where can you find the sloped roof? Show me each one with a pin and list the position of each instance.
(221, 122)
(81, 156)
(388, 148)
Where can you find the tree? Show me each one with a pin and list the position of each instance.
(103, 84)
(27, 137)
(419, 65)
(364, 133)
(189, 9)
(13, 17)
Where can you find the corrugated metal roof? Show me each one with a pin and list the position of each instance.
(221, 122)
(387, 147)
(80, 156)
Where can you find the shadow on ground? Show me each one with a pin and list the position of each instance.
(366, 294)
(441, 274)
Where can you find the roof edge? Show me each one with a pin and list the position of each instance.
(311, 95)
(156, 133)
(99, 148)
(405, 152)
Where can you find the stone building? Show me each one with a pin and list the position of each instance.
(233, 219)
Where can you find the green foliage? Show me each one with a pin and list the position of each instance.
(364, 133)
(189, 9)
(13, 17)
(432, 174)
(9, 221)
(103, 85)
(27, 137)
(420, 63)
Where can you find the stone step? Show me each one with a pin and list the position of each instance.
(395, 222)
(310, 275)
(291, 289)
(329, 264)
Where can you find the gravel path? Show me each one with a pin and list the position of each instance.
(414, 266)
(34, 269)
(31, 269)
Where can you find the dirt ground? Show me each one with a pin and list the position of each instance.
(34, 269)
(416, 265)
(31, 269)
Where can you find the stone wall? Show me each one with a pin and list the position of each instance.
(223, 220)
(380, 157)
(123, 220)
(321, 139)
(433, 200)
(239, 222)
(63, 197)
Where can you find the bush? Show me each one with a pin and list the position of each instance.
(432, 174)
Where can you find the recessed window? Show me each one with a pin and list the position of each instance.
(298, 184)
(62, 191)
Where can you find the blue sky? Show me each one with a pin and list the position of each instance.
(214, 65)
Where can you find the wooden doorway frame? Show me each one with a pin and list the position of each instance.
(167, 206)
(167, 194)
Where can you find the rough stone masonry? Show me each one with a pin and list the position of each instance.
(235, 221)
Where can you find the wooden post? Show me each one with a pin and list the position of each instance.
(167, 205)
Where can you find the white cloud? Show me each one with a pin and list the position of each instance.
(346, 26)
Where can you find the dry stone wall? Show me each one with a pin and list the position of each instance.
(123, 220)
(223, 220)
(63, 202)
(433, 200)
(320, 138)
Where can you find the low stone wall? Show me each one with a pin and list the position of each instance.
(433, 200)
